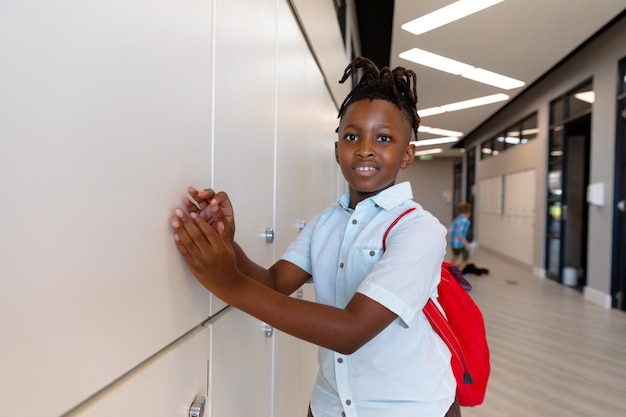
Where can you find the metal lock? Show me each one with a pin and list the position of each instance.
(197, 407)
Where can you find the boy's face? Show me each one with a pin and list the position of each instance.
(373, 144)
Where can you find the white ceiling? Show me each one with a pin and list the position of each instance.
(521, 39)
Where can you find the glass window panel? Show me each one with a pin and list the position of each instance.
(486, 149)
(498, 144)
(557, 113)
(512, 137)
(529, 129)
(580, 100)
(622, 77)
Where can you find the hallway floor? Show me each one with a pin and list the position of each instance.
(552, 352)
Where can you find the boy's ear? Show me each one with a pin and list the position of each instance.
(408, 156)
(337, 152)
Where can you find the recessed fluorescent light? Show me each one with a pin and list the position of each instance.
(445, 15)
(587, 96)
(438, 62)
(435, 141)
(430, 111)
(475, 102)
(441, 63)
(428, 151)
(439, 132)
(491, 78)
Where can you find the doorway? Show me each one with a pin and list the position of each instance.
(568, 178)
(575, 208)
(618, 290)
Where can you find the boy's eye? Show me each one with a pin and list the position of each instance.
(384, 138)
(351, 137)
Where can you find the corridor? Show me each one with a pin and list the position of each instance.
(552, 352)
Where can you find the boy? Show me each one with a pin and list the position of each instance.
(461, 248)
(379, 356)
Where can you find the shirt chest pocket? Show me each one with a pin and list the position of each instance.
(364, 258)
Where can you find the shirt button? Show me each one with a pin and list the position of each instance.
(340, 360)
(343, 414)
(372, 253)
(354, 221)
(341, 265)
(348, 402)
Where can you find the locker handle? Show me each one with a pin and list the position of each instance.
(197, 407)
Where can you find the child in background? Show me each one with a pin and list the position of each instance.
(461, 248)
(379, 356)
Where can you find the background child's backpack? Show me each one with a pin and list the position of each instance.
(462, 328)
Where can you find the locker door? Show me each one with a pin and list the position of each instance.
(104, 121)
(240, 367)
(163, 386)
(304, 186)
(245, 58)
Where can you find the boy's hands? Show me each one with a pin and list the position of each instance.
(214, 208)
(208, 254)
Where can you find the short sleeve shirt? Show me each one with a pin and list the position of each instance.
(458, 231)
(405, 370)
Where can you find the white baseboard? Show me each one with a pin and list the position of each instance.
(597, 297)
(539, 272)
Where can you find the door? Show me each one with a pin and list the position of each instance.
(575, 208)
(618, 290)
(240, 366)
(568, 178)
(164, 385)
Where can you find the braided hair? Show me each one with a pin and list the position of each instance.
(396, 86)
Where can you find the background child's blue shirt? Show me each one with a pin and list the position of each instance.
(458, 231)
(405, 370)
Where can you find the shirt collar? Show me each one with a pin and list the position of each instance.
(387, 198)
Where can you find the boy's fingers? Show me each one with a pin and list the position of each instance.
(191, 206)
(184, 243)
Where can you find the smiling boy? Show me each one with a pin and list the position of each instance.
(379, 356)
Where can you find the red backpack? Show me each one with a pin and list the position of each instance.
(462, 329)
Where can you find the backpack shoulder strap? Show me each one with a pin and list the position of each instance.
(404, 213)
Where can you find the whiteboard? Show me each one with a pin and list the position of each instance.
(519, 195)
(104, 121)
(490, 195)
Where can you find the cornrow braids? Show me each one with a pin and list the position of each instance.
(396, 86)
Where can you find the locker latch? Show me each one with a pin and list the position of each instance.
(197, 407)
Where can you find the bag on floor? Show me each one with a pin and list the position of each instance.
(462, 328)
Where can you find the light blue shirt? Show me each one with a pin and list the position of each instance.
(405, 370)
(458, 231)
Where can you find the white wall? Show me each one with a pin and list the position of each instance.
(432, 182)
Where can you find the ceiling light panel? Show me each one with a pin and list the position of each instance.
(441, 63)
(475, 102)
(447, 14)
(491, 78)
(439, 132)
(435, 141)
(429, 151)
(438, 62)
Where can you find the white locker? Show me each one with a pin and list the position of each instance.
(240, 364)
(104, 121)
(108, 111)
(244, 121)
(163, 386)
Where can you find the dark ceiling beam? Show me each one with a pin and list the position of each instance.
(375, 20)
